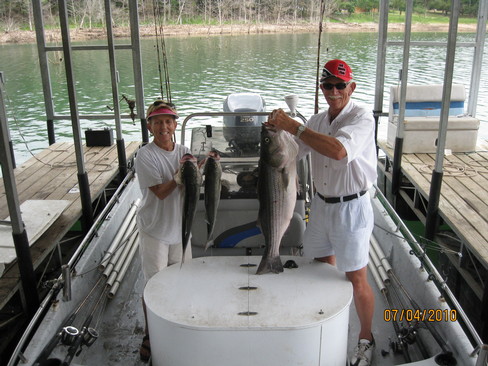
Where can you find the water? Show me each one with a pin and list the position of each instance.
(204, 70)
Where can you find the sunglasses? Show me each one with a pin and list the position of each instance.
(338, 86)
(162, 102)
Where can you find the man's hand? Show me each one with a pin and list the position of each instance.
(279, 120)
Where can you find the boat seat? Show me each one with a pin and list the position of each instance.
(422, 118)
(236, 226)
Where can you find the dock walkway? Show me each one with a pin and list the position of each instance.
(52, 175)
(463, 203)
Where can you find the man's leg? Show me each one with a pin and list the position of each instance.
(363, 299)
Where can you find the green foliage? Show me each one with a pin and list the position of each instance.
(347, 6)
(17, 14)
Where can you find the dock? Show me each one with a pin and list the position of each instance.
(463, 206)
(52, 175)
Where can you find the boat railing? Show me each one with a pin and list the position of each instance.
(228, 114)
(420, 253)
(294, 113)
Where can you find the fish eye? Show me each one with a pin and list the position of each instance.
(266, 139)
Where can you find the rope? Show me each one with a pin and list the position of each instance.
(449, 169)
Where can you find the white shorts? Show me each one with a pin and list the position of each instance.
(342, 229)
(155, 255)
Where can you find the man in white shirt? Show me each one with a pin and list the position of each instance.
(343, 155)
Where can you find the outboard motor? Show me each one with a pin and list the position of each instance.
(243, 132)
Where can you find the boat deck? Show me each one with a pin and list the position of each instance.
(52, 175)
(464, 196)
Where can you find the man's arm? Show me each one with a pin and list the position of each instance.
(323, 144)
(163, 190)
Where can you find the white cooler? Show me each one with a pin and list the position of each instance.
(215, 311)
(422, 117)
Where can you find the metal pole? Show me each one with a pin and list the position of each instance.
(380, 64)
(87, 219)
(44, 68)
(432, 217)
(115, 92)
(397, 157)
(21, 242)
(137, 67)
(3, 116)
(477, 58)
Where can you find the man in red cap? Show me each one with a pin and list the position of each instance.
(343, 154)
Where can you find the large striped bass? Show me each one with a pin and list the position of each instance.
(277, 193)
(191, 180)
(212, 187)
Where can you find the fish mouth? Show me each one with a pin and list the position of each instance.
(188, 157)
(270, 128)
(214, 154)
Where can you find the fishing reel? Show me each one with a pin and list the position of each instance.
(90, 336)
(69, 334)
(405, 336)
(408, 335)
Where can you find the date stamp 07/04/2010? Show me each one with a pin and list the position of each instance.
(420, 315)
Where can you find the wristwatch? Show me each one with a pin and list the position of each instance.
(300, 130)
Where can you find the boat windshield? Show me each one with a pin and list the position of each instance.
(238, 148)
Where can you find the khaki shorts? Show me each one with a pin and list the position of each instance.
(155, 255)
(342, 229)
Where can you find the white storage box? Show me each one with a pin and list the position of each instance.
(422, 117)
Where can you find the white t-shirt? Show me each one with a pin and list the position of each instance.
(354, 127)
(160, 219)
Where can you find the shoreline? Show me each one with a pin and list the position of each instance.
(85, 34)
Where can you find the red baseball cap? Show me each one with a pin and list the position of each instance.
(337, 68)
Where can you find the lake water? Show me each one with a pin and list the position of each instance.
(204, 70)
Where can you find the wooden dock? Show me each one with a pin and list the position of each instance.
(52, 175)
(463, 203)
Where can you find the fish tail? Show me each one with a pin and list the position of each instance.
(270, 265)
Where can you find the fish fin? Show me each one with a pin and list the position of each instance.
(270, 265)
(210, 243)
(286, 177)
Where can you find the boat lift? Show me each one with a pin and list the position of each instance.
(31, 302)
(432, 215)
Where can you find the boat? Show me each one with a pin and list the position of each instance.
(102, 326)
(215, 310)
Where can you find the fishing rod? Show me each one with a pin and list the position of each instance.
(417, 309)
(434, 274)
(317, 76)
(380, 283)
(47, 350)
(405, 335)
(87, 336)
(446, 352)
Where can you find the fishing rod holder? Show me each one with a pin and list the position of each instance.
(69, 335)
